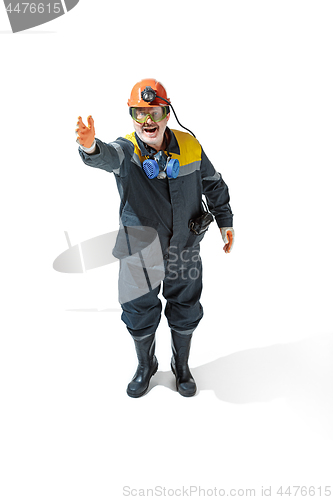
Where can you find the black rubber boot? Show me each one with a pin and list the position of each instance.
(147, 367)
(181, 349)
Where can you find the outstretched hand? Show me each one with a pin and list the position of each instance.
(85, 135)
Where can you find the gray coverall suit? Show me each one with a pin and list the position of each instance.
(166, 205)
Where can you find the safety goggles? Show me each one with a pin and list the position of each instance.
(156, 114)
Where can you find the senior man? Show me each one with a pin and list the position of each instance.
(161, 176)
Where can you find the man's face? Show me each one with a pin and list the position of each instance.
(150, 132)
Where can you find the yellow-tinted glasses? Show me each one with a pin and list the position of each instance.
(156, 114)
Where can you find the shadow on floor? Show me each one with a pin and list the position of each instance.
(301, 373)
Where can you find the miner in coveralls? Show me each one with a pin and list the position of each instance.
(166, 201)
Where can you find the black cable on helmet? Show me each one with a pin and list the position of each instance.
(174, 112)
(149, 95)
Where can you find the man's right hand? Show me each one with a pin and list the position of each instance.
(85, 135)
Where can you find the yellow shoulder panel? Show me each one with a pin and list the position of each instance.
(190, 148)
(131, 137)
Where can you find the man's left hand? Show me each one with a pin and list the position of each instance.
(228, 235)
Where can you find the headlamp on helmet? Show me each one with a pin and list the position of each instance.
(148, 94)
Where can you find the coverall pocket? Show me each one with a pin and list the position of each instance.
(131, 219)
(194, 239)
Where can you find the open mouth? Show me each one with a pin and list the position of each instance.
(150, 130)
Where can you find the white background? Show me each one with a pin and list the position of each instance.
(254, 81)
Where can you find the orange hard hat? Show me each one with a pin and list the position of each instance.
(136, 99)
